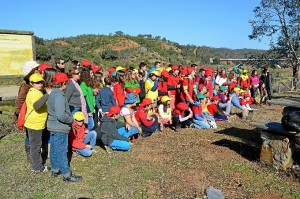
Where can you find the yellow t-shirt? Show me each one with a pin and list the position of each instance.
(35, 119)
(150, 94)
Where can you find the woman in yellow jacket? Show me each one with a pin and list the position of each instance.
(35, 120)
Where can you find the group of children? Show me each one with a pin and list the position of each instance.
(77, 107)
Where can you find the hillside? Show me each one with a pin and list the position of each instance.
(118, 48)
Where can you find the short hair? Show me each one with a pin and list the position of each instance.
(157, 62)
(193, 65)
(57, 60)
(107, 81)
(142, 64)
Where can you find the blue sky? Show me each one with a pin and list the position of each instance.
(213, 23)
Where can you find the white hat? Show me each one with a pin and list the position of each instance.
(28, 66)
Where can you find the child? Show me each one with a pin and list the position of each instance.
(79, 136)
(164, 111)
(105, 98)
(148, 123)
(199, 121)
(205, 114)
(114, 133)
(182, 116)
(215, 111)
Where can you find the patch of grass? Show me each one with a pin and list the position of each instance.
(9, 81)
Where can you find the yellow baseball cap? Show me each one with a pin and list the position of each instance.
(165, 98)
(120, 68)
(236, 89)
(156, 73)
(36, 77)
(79, 116)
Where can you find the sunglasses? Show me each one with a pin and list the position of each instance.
(40, 82)
(76, 73)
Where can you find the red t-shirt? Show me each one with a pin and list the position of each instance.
(209, 86)
(212, 109)
(197, 110)
(189, 83)
(173, 81)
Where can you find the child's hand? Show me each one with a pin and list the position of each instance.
(88, 146)
(86, 131)
(127, 126)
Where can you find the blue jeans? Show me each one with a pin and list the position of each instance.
(121, 144)
(91, 123)
(74, 109)
(227, 106)
(58, 153)
(89, 138)
(201, 124)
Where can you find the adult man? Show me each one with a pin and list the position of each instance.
(59, 65)
(267, 79)
(155, 66)
(174, 86)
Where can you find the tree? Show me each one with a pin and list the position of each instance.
(279, 21)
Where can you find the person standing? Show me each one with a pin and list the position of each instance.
(36, 116)
(267, 79)
(59, 124)
(59, 65)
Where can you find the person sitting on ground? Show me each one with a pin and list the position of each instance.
(215, 111)
(79, 136)
(199, 121)
(246, 101)
(225, 100)
(148, 123)
(165, 112)
(127, 112)
(182, 116)
(210, 119)
(235, 100)
(114, 133)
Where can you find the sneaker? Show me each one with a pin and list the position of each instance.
(94, 151)
(55, 174)
(72, 178)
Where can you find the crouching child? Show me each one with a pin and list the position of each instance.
(79, 136)
(114, 133)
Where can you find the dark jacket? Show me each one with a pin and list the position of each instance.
(108, 131)
(73, 95)
(105, 99)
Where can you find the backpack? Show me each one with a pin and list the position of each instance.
(277, 153)
(22, 114)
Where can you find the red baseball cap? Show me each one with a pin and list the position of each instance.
(174, 67)
(113, 110)
(43, 67)
(60, 78)
(146, 101)
(215, 98)
(182, 106)
(86, 63)
(110, 71)
(190, 69)
(246, 95)
(95, 68)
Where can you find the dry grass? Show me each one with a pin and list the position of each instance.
(168, 165)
